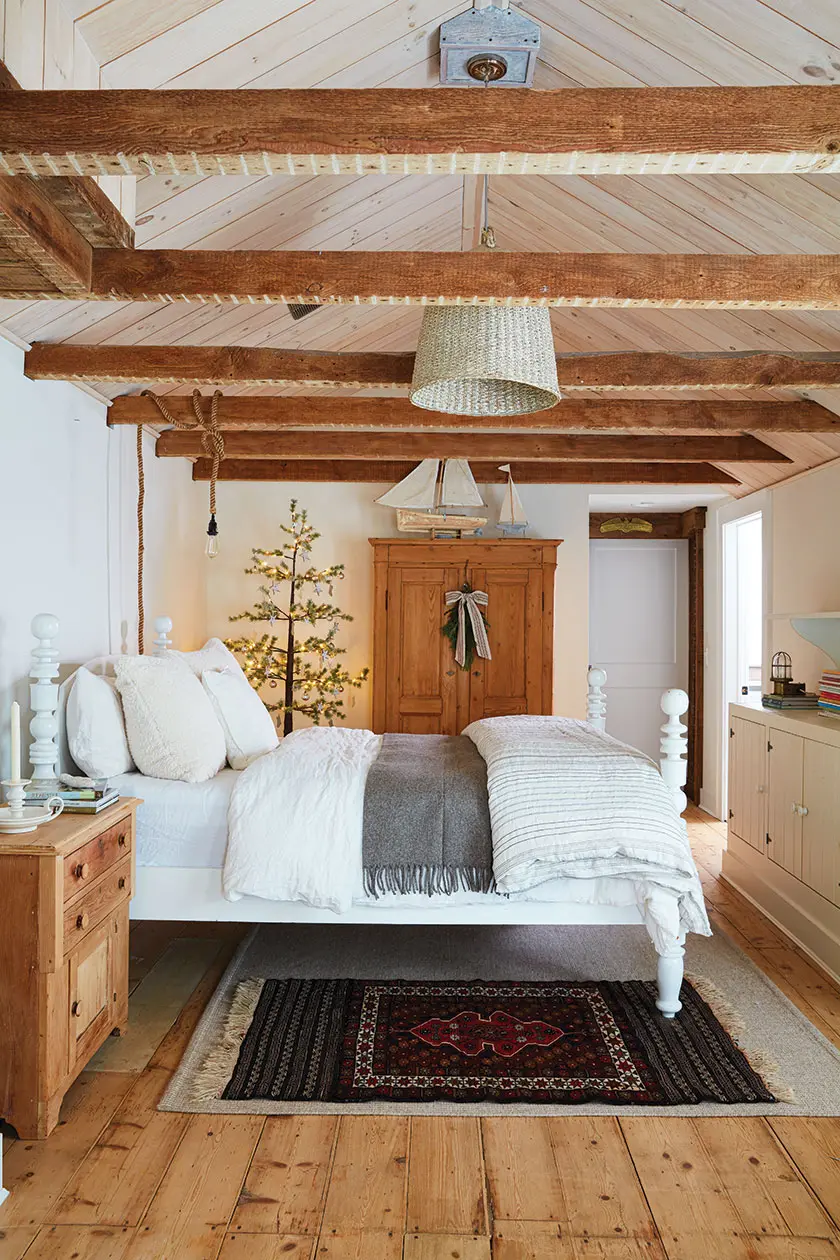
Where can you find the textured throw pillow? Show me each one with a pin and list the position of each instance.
(172, 730)
(248, 726)
(96, 728)
(214, 655)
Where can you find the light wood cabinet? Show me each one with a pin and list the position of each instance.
(64, 894)
(417, 686)
(784, 769)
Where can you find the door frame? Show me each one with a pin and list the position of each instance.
(674, 526)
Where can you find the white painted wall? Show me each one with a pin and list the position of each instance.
(346, 516)
(67, 531)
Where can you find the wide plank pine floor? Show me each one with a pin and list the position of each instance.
(119, 1180)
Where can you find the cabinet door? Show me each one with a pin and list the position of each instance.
(784, 797)
(821, 824)
(421, 674)
(511, 682)
(91, 992)
(747, 781)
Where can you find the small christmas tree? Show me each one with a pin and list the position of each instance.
(312, 678)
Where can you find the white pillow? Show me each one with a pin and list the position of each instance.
(172, 730)
(96, 728)
(248, 726)
(214, 655)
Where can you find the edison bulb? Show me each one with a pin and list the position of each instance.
(211, 549)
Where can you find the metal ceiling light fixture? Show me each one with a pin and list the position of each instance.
(485, 360)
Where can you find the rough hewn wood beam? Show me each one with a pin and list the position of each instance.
(35, 232)
(543, 474)
(806, 282)
(566, 131)
(638, 415)
(502, 447)
(259, 365)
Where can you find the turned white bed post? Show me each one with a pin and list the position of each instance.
(673, 747)
(596, 700)
(162, 641)
(43, 700)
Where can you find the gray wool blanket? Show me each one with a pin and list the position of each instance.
(426, 817)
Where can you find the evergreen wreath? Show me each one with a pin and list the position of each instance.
(450, 629)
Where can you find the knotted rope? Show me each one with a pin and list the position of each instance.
(470, 602)
(213, 444)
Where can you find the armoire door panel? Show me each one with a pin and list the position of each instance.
(511, 681)
(421, 689)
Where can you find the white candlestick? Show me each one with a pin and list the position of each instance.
(15, 740)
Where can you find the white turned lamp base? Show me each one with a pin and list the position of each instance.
(43, 699)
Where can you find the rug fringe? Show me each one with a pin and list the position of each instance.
(217, 1068)
(761, 1061)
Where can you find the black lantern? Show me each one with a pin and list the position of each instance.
(780, 668)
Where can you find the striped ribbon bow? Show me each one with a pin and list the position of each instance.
(470, 602)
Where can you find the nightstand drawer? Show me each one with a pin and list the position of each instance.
(84, 867)
(98, 902)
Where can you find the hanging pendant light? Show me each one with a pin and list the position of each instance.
(485, 360)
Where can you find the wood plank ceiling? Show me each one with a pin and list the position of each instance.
(599, 43)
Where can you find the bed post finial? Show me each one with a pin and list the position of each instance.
(596, 700)
(162, 641)
(674, 745)
(43, 700)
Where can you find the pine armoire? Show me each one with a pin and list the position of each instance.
(418, 688)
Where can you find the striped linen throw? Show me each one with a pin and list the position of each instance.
(569, 800)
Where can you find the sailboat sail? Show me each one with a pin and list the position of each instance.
(459, 488)
(417, 490)
(512, 512)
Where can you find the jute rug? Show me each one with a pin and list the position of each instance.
(297, 1007)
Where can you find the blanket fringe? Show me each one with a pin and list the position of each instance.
(217, 1068)
(761, 1061)
(427, 880)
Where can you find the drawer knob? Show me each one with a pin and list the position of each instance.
(76, 1009)
(121, 882)
(121, 841)
(81, 870)
(82, 920)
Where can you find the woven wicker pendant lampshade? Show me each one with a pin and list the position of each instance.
(485, 361)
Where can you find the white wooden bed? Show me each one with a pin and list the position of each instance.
(186, 824)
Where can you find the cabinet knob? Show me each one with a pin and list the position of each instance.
(121, 882)
(82, 920)
(121, 841)
(76, 1008)
(82, 870)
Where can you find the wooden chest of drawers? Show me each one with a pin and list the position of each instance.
(64, 894)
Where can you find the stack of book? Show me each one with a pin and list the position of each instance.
(803, 700)
(829, 697)
(77, 800)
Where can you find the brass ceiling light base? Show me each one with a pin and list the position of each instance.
(487, 67)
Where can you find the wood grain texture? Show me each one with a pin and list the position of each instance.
(286, 1182)
(485, 474)
(719, 281)
(239, 132)
(33, 230)
(445, 1179)
(641, 416)
(367, 1185)
(270, 444)
(261, 365)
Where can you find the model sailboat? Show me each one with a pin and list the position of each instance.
(512, 518)
(424, 497)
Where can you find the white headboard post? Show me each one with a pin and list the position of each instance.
(674, 745)
(43, 700)
(596, 700)
(162, 642)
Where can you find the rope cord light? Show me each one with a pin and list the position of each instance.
(213, 444)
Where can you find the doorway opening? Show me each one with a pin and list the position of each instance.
(743, 619)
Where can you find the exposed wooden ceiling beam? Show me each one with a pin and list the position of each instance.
(260, 365)
(34, 233)
(568, 131)
(473, 446)
(807, 282)
(525, 473)
(641, 416)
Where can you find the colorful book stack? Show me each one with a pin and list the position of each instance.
(803, 700)
(829, 697)
(78, 800)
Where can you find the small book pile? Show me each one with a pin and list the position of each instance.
(803, 700)
(829, 696)
(89, 800)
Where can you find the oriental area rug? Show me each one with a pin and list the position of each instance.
(290, 1031)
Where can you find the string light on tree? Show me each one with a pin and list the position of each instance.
(307, 668)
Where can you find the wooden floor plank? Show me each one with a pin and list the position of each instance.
(148, 940)
(367, 1185)
(746, 1247)
(603, 1195)
(80, 1242)
(379, 1244)
(37, 1172)
(115, 1183)
(14, 1241)
(286, 1183)
(171, 1050)
(266, 1247)
(522, 1178)
(545, 1240)
(445, 1247)
(189, 1215)
(446, 1176)
(813, 1143)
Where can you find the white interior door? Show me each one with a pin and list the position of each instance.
(638, 631)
